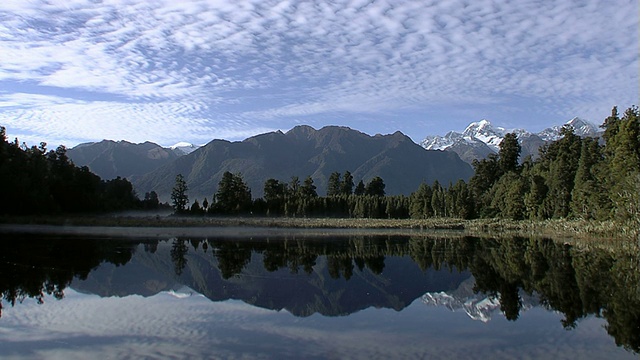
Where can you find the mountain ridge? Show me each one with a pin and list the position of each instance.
(304, 151)
(481, 138)
(110, 159)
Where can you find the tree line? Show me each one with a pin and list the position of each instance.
(35, 180)
(573, 177)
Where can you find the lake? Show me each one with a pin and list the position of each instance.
(315, 296)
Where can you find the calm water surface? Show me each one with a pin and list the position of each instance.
(296, 296)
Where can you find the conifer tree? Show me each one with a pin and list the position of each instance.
(333, 186)
(509, 153)
(179, 195)
(346, 185)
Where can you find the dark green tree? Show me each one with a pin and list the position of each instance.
(333, 186)
(438, 204)
(375, 187)
(420, 207)
(346, 185)
(179, 195)
(308, 189)
(509, 153)
(589, 200)
(233, 195)
(487, 172)
(561, 161)
(360, 188)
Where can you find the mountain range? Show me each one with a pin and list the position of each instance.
(304, 151)
(482, 138)
(110, 159)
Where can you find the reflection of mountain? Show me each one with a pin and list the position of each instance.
(479, 306)
(301, 293)
(337, 275)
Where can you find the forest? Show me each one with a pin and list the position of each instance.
(573, 177)
(35, 180)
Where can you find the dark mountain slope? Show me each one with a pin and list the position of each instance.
(305, 151)
(109, 159)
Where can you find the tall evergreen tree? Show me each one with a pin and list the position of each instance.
(375, 187)
(623, 161)
(438, 204)
(308, 189)
(561, 161)
(333, 186)
(420, 207)
(487, 172)
(509, 153)
(179, 195)
(360, 188)
(588, 198)
(233, 195)
(346, 185)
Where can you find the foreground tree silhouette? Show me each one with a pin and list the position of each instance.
(233, 196)
(179, 195)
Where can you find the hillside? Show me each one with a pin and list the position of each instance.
(304, 151)
(110, 159)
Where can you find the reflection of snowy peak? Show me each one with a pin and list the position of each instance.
(479, 306)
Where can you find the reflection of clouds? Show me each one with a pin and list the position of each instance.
(279, 59)
(166, 326)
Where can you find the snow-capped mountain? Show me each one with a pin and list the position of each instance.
(580, 127)
(183, 148)
(485, 132)
(482, 138)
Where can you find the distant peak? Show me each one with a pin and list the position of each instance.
(181, 144)
(305, 130)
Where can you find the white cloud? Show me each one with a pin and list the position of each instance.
(280, 59)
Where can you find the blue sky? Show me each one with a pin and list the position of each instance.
(166, 71)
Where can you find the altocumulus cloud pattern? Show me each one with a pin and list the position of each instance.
(166, 71)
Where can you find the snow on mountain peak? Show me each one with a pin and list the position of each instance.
(184, 148)
(580, 127)
(485, 132)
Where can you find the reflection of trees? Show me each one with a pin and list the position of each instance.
(576, 282)
(178, 252)
(31, 266)
(232, 257)
(573, 281)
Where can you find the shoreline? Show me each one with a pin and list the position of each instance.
(156, 225)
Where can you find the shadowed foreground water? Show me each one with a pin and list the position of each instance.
(329, 296)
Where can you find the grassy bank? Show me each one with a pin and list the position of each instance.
(561, 229)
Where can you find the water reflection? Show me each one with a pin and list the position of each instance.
(338, 276)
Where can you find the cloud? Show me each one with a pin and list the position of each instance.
(60, 119)
(277, 60)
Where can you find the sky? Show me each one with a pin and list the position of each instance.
(74, 71)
